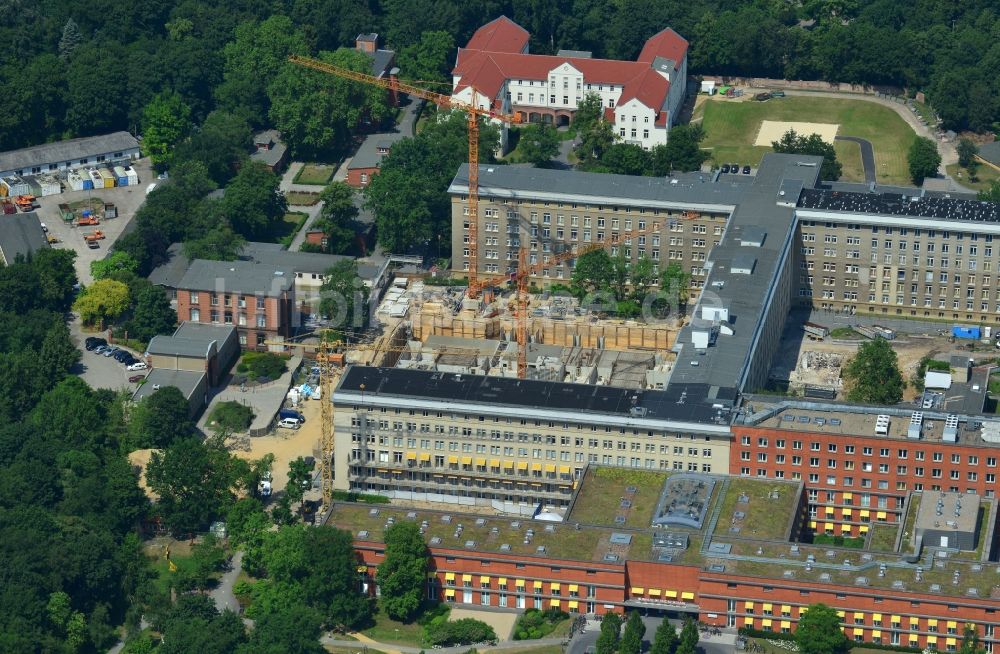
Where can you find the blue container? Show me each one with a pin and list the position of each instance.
(88, 185)
(971, 333)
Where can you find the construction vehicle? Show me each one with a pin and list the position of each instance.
(473, 113)
(52, 239)
(96, 235)
(87, 219)
(25, 202)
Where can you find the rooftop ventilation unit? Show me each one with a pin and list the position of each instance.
(950, 433)
(916, 424)
(882, 425)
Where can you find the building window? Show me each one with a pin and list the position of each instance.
(261, 339)
(195, 315)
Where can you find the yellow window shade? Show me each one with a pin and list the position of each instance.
(748, 605)
(554, 603)
(914, 638)
(519, 583)
(565, 470)
(914, 622)
(535, 484)
(466, 460)
(572, 604)
(502, 581)
(536, 467)
(383, 470)
(494, 463)
(452, 459)
(687, 596)
(397, 472)
(812, 524)
(848, 513)
(786, 608)
(424, 456)
(672, 594)
(766, 622)
(931, 622)
(538, 585)
(859, 616)
(895, 619)
(480, 462)
(876, 617)
(828, 526)
(484, 580)
(859, 632)
(848, 496)
(748, 621)
(863, 529)
(654, 592)
(785, 624)
(555, 587)
(768, 607)
(521, 465)
(550, 467)
(876, 633)
(864, 513)
(880, 515)
(450, 592)
(952, 625)
(411, 456)
(638, 590)
(829, 510)
(845, 529)
(573, 588)
(950, 642)
(449, 576)
(840, 614)
(508, 465)
(932, 640)
(466, 577)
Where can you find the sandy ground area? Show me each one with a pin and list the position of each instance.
(772, 130)
(287, 445)
(141, 458)
(502, 622)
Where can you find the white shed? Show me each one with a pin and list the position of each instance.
(935, 379)
(708, 87)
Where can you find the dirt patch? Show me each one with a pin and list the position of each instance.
(772, 130)
(502, 623)
(287, 445)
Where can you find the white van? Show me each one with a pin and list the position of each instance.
(290, 423)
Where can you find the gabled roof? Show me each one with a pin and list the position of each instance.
(499, 35)
(71, 150)
(649, 87)
(668, 44)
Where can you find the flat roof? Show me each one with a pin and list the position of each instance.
(67, 151)
(21, 235)
(679, 406)
(571, 186)
(185, 380)
(946, 510)
(237, 277)
(894, 204)
(204, 332)
(174, 346)
(990, 152)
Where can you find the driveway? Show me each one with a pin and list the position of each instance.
(222, 594)
(98, 370)
(867, 156)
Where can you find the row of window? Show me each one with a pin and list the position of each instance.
(831, 480)
(902, 231)
(226, 318)
(101, 158)
(867, 450)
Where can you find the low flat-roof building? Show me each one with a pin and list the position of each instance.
(70, 154)
(192, 384)
(20, 235)
(197, 347)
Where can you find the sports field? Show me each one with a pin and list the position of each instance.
(731, 127)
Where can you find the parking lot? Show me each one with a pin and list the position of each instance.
(127, 199)
(100, 371)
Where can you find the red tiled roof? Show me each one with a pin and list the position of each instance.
(499, 35)
(537, 67)
(668, 44)
(650, 88)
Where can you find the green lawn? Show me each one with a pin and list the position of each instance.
(387, 630)
(731, 128)
(765, 517)
(845, 333)
(985, 176)
(883, 538)
(301, 198)
(315, 174)
(600, 496)
(283, 232)
(849, 156)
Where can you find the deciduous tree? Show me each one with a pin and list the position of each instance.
(818, 631)
(967, 151)
(194, 483)
(165, 121)
(253, 201)
(160, 419)
(923, 160)
(115, 262)
(428, 58)
(793, 143)
(343, 296)
(538, 144)
(337, 217)
(873, 374)
(105, 299)
(674, 283)
(594, 271)
(402, 575)
(665, 641)
(151, 315)
(611, 625)
(632, 636)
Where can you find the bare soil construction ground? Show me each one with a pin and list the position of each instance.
(287, 444)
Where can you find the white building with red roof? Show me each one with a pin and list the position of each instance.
(642, 98)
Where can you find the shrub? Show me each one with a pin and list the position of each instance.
(232, 416)
(460, 632)
(262, 364)
(535, 624)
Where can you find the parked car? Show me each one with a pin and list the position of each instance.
(138, 365)
(725, 168)
(119, 355)
(94, 342)
(110, 350)
(265, 488)
(101, 348)
(93, 245)
(289, 423)
(135, 379)
(734, 168)
(746, 170)
(129, 360)
(291, 413)
(777, 94)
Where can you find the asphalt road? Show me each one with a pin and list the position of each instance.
(867, 156)
(222, 594)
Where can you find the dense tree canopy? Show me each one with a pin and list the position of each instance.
(873, 374)
(819, 631)
(402, 574)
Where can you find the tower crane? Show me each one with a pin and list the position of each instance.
(472, 111)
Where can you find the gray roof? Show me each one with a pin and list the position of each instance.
(382, 61)
(184, 380)
(277, 151)
(368, 155)
(183, 347)
(990, 152)
(236, 277)
(20, 233)
(724, 364)
(170, 273)
(683, 192)
(274, 254)
(61, 151)
(204, 331)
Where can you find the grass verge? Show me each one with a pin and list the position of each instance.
(985, 176)
(883, 538)
(731, 128)
(301, 198)
(315, 174)
(845, 333)
(387, 630)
